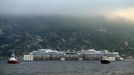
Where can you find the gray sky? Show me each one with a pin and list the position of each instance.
(110, 9)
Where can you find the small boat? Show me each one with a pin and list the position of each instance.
(105, 60)
(12, 59)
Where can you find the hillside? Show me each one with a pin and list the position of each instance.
(28, 33)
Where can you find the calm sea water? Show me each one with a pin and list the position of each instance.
(67, 68)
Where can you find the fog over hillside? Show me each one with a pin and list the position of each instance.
(27, 25)
(27, 33)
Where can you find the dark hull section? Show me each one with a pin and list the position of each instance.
(105, 62)
(13, 62)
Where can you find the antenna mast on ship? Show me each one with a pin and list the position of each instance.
(13, 55)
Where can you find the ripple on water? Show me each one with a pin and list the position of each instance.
(68, 68)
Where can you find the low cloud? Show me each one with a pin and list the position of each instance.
(121, 15)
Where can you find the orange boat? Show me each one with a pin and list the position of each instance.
(12, 59)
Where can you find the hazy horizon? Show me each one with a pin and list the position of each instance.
(108, 9)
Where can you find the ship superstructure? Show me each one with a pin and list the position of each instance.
(90, 54)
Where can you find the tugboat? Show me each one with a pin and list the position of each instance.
(12, 59)
(105, 60)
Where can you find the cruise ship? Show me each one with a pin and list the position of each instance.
(90, 54)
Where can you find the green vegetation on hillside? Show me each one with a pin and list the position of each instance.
(28, 33)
